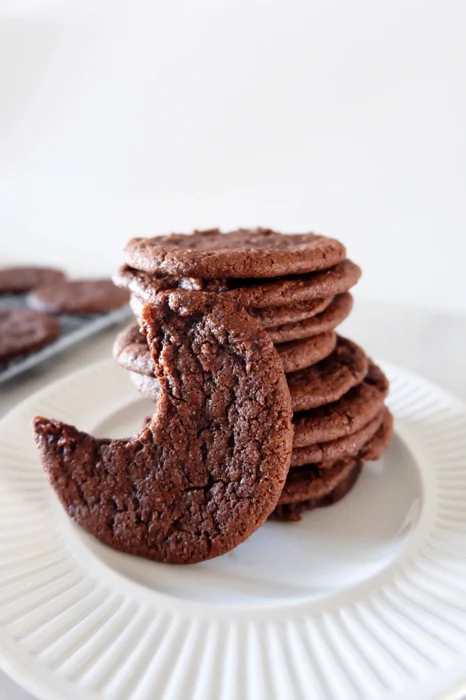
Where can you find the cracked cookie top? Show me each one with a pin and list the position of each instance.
(209, 467)
(244, 253)
(347, 415)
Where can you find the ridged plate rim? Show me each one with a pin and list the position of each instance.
(432, 424)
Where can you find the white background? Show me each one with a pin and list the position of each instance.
(132, 117)
(135, 117)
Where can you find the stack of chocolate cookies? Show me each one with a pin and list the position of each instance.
(297, 288)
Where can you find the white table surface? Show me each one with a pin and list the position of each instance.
(430, 343)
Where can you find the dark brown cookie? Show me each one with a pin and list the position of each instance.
(239, 254)
(330, 379)
(131, 352)
(299, 354)
(328, 320)
(147, 386)
(17, 280)
(253, 293)
(272, 316)
(208, 469)
(308, 388)
(327, 453)
(148, 286)
(78, 297)
(23, 330)
(268, 317)
(345, 416)
(312, 481)
(136, 304)
(375, 447)
(291, 290)
(309, 481)
(292, 511)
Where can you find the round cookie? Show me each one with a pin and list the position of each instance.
(23, 330)
(78, 297)
(136, 305)
(268, 316)
(337, 311)
(292, 511)
(291, 290)
(209, 467)
(253, 293)
(246, 253)
(311, 481)
(327, 453)
(271, 316)
(345, 416)
(147, 286)
(131, 352)
(147, 386)
(330, 379)
(317, 382)
(299, 354)
(375, 447)
(17, 280)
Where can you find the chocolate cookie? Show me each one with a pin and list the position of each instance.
(272, 316)
(147, 386)
(345, 416)
(312, 481)
(78, 297)
(299, 354)
(292, 511)
(328, 320)
(23, 330)
(136, 304)
(253, 293)
(374, 448)
(208, 469)
(327, 453)
(315, 386)
(238, 254)
(309, 481)
(148, 286)
(290, 290)
(17, 280)
(268, 316)
(330, 379)
(131, 352)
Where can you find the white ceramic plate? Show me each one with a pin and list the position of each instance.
(363, 600)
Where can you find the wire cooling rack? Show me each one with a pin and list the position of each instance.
(74, 328)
